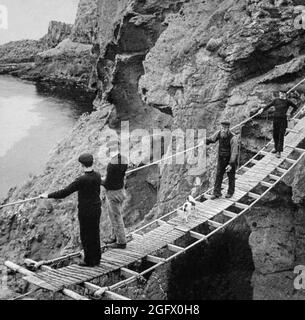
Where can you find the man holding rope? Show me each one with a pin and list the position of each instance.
(280, 120)
(88, 187)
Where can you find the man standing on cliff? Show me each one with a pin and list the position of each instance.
(89, 209)
(227, 157)
(115, 194)
(280, 121)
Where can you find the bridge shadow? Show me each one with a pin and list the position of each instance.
(219, 270)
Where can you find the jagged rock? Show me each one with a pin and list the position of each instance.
(27, 50)
(57, 32)
(213, 44)
(58, 59)
(20, 51)
(85, 27)
(277, 286)
(272, 244)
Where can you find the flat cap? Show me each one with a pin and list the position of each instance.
(86, 159)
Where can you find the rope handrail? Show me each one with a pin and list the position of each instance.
(167, 158)
(140, 168)
(188, 150)
(211, 189)
(18, 202)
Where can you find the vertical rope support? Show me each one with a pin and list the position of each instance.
(158, 189)
(267, 118)
(239, 147)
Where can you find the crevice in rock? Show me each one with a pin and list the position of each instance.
(257, 64)
(121, 67)
(124, 94)
(162, 108)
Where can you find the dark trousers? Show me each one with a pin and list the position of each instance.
(89, 223)
(279, 129)
(223, 162)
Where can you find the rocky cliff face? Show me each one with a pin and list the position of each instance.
(69, 63)
(27, 50)
(173, 64)
(20, 51)
(85, 27)
(61, 58)
(57, 32)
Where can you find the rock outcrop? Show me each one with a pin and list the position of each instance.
(85, 28)
(62, 57)
(27, 50)
(20, 51)
(69, 64)
(173, 64)
(57, 32)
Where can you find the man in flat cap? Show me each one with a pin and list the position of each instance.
(227, 157)
(280, 120)
(114, 184)
(89, 209)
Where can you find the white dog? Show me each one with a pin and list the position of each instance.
(188, 208)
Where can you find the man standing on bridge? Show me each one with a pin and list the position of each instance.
(280, 121)
(89, 209)
(227, 157)
(115, 194)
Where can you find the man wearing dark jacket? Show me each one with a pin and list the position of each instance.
(227, 157)
(115, 194)
(280, 121)
(89, 209)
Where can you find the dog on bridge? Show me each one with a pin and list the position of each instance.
(188, 208)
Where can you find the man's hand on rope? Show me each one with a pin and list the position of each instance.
(260, 111)
(256, 112)
(43, 196)
(229, 168)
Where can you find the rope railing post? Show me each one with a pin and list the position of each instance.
(239, 151)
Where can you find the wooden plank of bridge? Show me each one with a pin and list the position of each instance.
(42, 284)
(114, 256)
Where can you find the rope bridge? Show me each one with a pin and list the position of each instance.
(157, 243)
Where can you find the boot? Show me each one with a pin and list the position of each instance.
(117, 246)
(278, 155)
(89, 265)
(111, 240)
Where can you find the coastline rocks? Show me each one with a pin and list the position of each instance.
(68, 64)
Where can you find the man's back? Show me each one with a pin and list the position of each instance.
(281, 107)
(89, 189)
(116, 171)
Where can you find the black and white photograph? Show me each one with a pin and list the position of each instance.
(152, 153)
